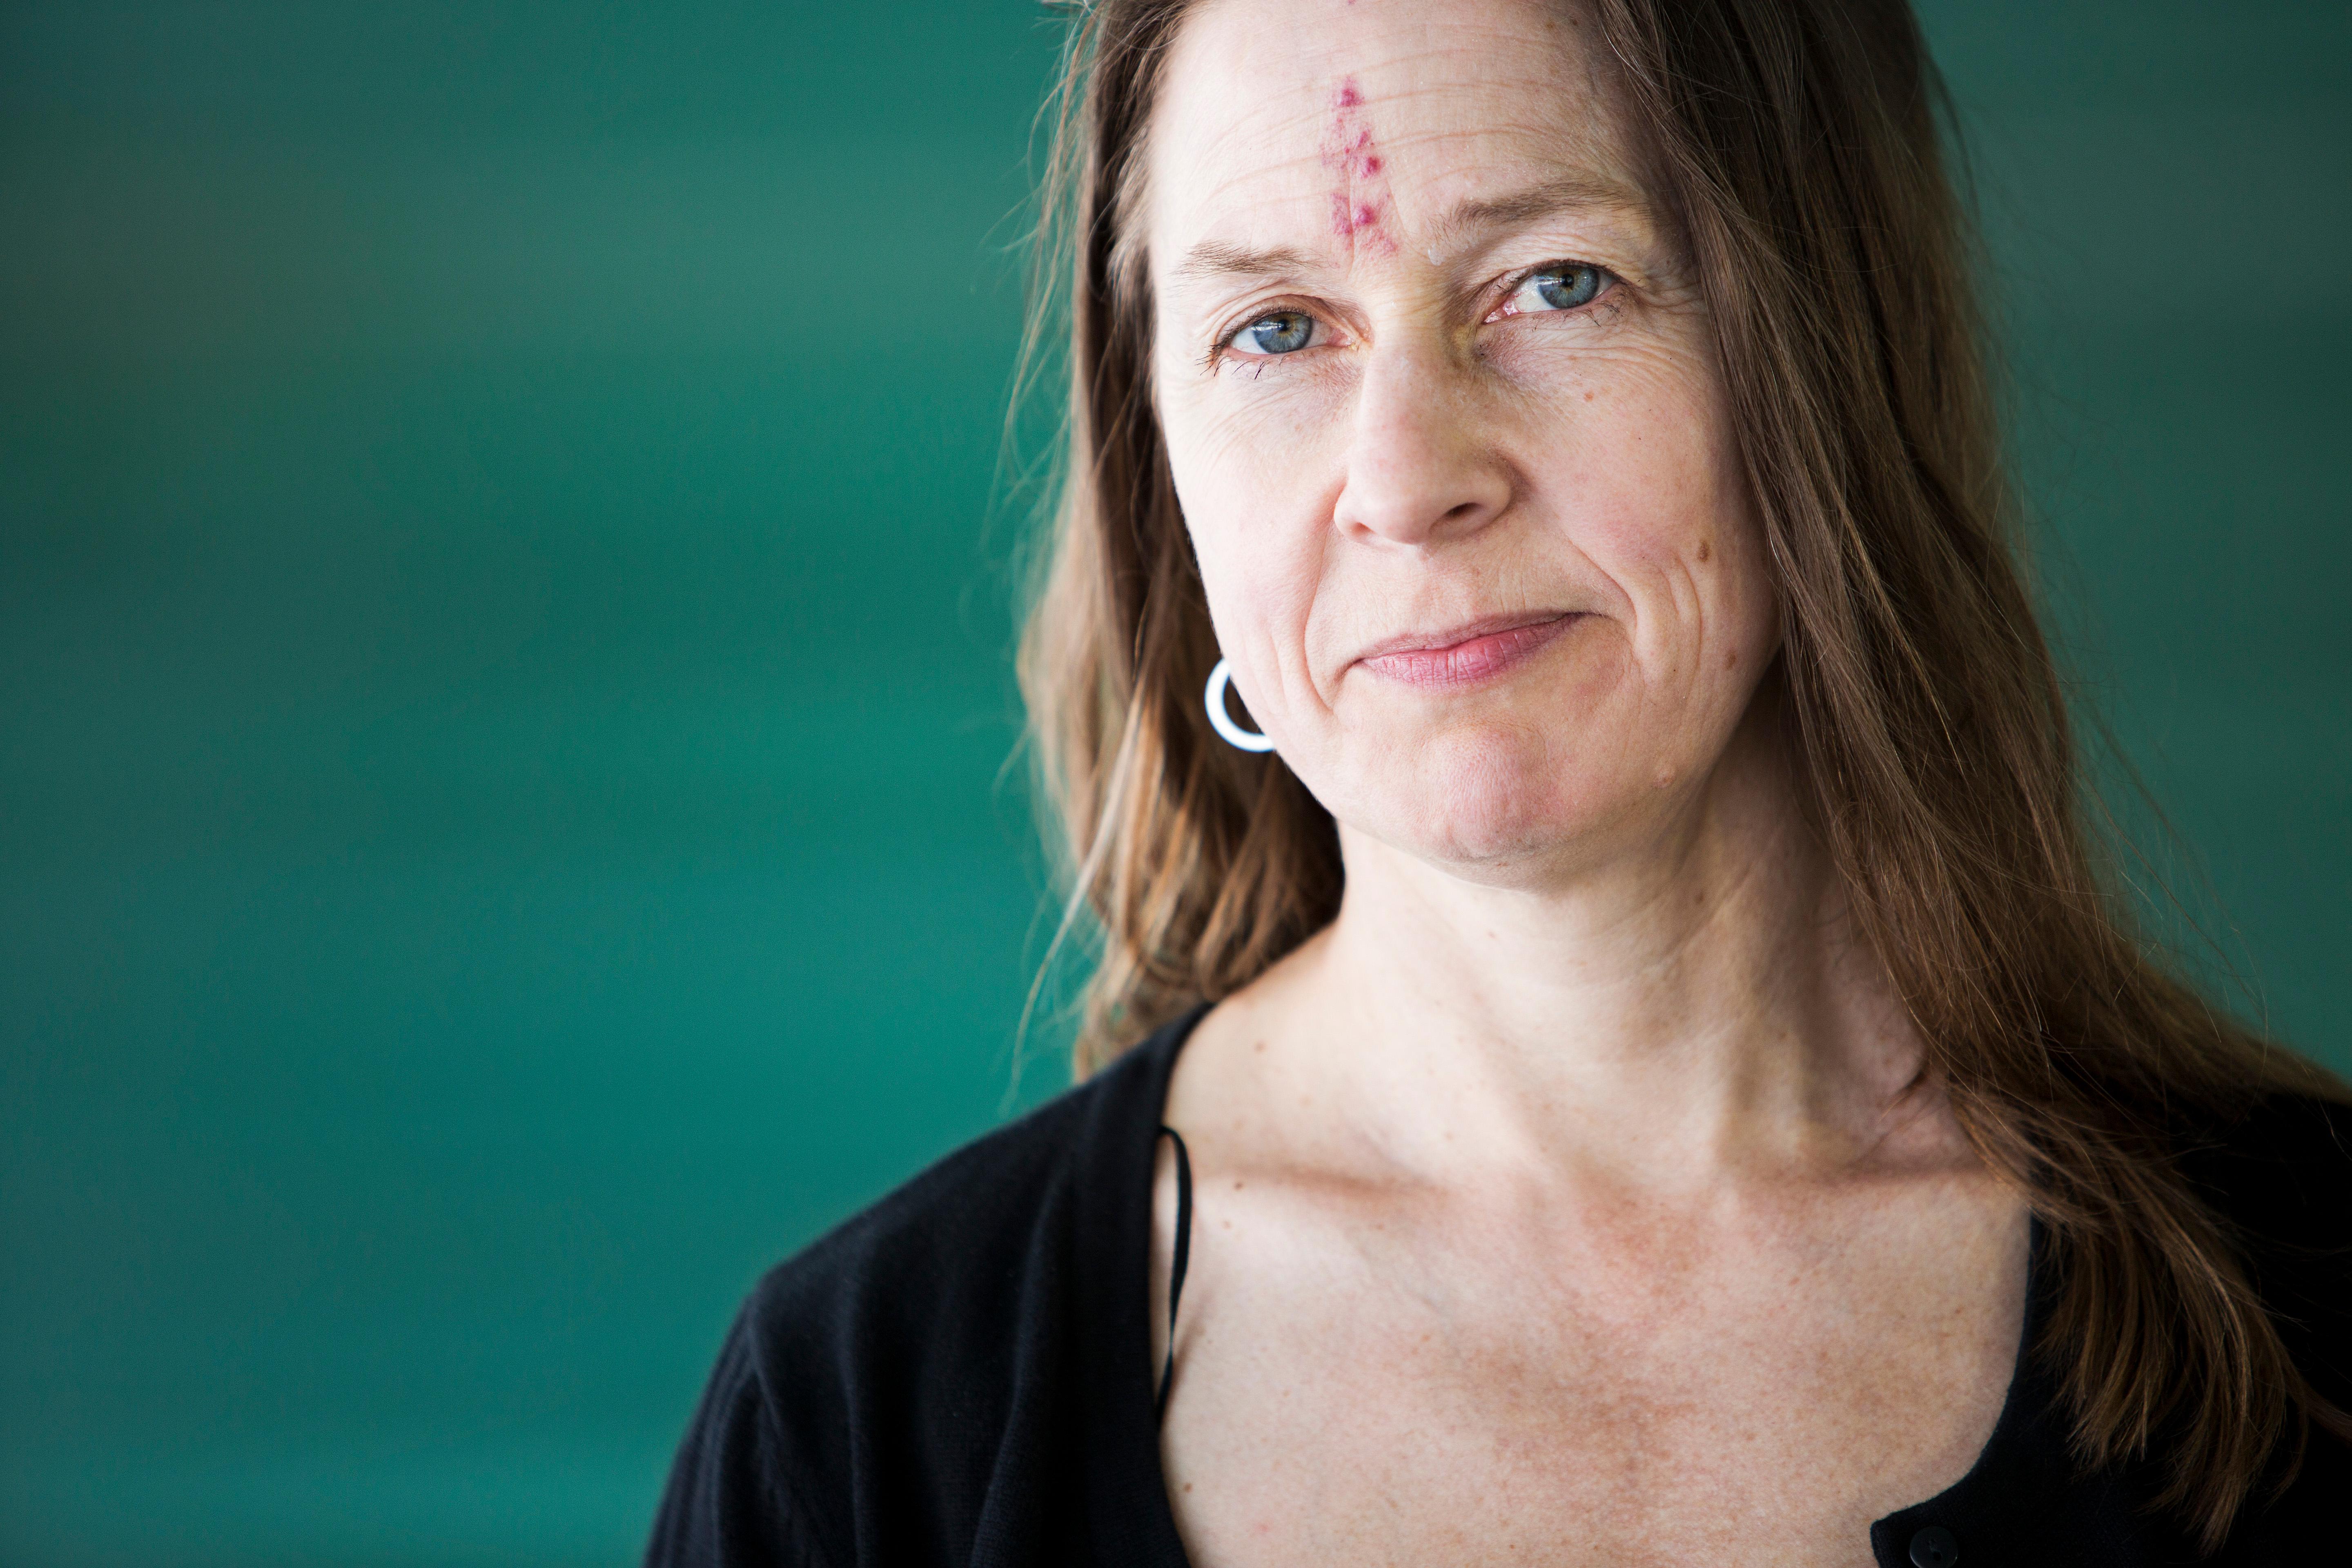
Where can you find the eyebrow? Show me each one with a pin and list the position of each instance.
(1569, 193)
(1213, 259)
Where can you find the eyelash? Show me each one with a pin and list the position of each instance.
(1220, 353)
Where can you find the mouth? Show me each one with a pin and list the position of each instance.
(1466, 655)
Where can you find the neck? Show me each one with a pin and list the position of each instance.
(1695, 1006)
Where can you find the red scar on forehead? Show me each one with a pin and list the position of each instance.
(1350, 218)
(1347, 151)
(1356, 157)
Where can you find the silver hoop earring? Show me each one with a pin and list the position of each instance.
(1220, 679)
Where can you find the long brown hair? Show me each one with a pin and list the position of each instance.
(1799, 146)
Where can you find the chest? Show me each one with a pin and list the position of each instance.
(1458, 1390)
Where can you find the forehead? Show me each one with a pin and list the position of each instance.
(1356, 123)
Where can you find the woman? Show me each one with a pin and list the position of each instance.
(1675, 1089)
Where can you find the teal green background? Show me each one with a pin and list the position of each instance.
(505, 822)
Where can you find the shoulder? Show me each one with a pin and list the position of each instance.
(2282, 1172)
(936, 1273)
(872, 1383)
(2281, 1178)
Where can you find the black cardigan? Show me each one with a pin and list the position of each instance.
(962, 1374)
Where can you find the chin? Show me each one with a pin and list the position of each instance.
(1500, 804)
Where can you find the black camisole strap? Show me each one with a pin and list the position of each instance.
(1176, 1264)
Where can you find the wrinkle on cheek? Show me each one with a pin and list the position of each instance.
(1264, 448)
(1619, 364)
(1284, 430)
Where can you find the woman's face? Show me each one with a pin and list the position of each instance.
(1438, 396)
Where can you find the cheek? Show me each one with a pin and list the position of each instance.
(1656, 498)
(1249, 482)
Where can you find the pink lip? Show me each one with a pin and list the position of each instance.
(1466, 655)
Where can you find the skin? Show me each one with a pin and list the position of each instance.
(1578, 1196)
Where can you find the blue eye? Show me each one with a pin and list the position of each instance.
(1283, 331)
(1558, 286)
(1565, 287)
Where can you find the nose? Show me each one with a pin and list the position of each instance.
(1421, 470)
